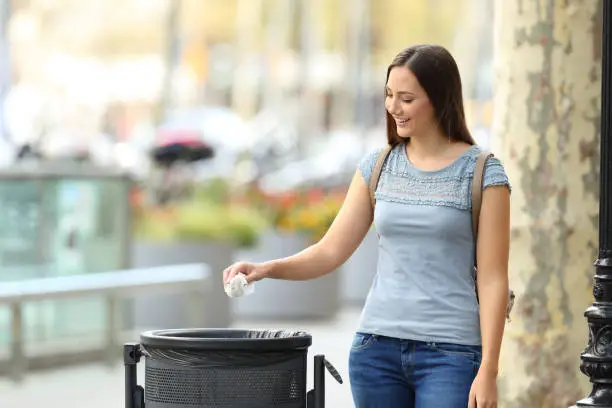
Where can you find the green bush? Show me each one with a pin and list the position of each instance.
(202, 221)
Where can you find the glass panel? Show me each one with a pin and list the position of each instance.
(61, 227)
(20, 222)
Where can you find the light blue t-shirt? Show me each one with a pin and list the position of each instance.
(424, 285)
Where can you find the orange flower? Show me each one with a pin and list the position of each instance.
(289, 199)
(315, 195)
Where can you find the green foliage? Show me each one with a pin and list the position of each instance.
(207, 216)
(206, 221)
(215, 191)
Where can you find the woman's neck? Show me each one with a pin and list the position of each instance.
(429, 145)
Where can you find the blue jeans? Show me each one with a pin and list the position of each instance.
(387, 372)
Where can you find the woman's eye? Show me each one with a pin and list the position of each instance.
(408, 100)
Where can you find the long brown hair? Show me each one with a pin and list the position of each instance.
(438, 74)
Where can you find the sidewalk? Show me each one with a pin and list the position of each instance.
(97, 386)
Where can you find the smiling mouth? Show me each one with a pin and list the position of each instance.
(401, 122)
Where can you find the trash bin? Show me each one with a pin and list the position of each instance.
(229, 368)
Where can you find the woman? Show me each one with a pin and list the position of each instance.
(424, 340)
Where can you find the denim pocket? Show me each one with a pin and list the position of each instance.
(362, 341)
(458, 350)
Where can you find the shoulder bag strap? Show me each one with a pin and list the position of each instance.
(380, 160)
(477, 194)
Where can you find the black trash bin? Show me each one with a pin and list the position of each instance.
(229, 368)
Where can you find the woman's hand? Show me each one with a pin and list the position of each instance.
(252, 271)
(483, 393)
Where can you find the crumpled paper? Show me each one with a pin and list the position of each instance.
(239, 286)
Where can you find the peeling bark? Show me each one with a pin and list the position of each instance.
(546, 131)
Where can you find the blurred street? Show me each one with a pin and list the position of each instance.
(96, 386)
(146, 145)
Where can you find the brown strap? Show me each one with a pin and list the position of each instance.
(382, 156)
(477, 193)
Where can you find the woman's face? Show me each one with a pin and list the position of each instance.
(408, 103)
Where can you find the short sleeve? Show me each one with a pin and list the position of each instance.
(495, 174)
(366, 166)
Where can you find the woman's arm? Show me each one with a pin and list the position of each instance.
(342, 239)
(493, 251)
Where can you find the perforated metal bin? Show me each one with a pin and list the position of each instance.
(229, 368)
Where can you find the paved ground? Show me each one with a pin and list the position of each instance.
(97, 386)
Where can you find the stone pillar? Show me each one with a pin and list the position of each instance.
(546, 131)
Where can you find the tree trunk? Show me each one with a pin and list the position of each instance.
(278, 35)
(167, 99)
(245, 90)
(546, 131)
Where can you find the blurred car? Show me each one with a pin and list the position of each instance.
(275, 142)
(100, 149)
(225, 132)
(329, 163)
(181, 145)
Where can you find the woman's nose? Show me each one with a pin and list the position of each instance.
(393, 107)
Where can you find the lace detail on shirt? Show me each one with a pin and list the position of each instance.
(408, 189)
(449, 187)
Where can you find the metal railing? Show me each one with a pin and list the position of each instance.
(113, 286)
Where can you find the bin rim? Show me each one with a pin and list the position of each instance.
(184, 339)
